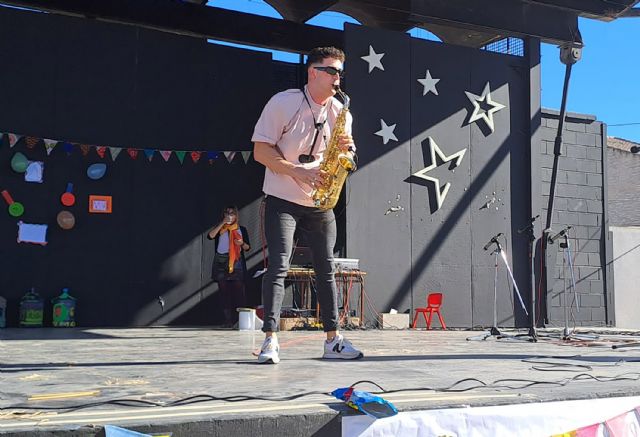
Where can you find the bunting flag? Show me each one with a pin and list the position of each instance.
(195, 156)
(246, 155)
(180, 154)
(115, 151)
(49, 145)
(31, 142)
(149, 154)
(166, 154)
(133, 153)
(230, 156)
(13, 139)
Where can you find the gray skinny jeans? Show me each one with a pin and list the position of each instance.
(281, 219)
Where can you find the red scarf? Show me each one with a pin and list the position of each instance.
(234, 249)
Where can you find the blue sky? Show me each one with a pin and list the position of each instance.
(605, 83)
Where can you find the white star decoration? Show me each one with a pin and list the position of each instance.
(429, 84)
(386, 132)
(374, 59)
(441, 192)
(479, 113)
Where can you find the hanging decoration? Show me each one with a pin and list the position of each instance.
(115, 151)
(31, 233)
(49, 145)
(16, 209)
(133, 153)
(149, 154)
(66, 220)
(195, 156)
(19, 163)
(180, 154)
(69, 147)
(13, 139)
(34, 172)
(96, 171)
(68, 198)
(31, 142)
(166, 154)
(100, 204)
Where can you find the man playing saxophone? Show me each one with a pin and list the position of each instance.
(289, 140)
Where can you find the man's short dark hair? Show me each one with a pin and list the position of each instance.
(319, 54)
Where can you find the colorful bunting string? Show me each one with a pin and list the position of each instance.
(69, 147)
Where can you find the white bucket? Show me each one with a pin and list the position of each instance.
(246, 319)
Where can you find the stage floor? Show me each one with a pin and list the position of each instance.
(45, 368)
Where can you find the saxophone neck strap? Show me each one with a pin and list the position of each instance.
(319, 126)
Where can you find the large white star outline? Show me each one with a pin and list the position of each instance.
(441, 192)
(479, 113)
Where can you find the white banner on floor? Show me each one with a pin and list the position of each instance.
(532, 419)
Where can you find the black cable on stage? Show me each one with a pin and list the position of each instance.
(453, 388)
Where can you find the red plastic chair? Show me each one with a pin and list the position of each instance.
(434, 301)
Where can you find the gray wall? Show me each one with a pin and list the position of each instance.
(579, 202)
(624, 178)
(626, 252)
(421, 249)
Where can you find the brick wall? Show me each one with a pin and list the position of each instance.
(624, 179)
(579, 202)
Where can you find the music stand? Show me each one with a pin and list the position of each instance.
(498, 252)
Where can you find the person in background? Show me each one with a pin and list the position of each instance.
(229, 264)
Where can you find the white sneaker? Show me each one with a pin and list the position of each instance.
(341, 348)
(269, 351)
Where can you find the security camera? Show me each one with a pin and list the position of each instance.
(635, 149)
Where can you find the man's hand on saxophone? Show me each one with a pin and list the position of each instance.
(346, 144)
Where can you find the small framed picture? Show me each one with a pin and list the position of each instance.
(100, 204)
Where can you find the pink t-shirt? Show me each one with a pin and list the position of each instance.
(287, 121)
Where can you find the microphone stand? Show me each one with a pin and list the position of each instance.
(529, 229)
(494, 331)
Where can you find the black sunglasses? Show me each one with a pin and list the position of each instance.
(331, 70)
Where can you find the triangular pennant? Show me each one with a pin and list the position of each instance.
(245, 155)
(180, 154)
(195, 156)
(230, 156)
(101, 150)
(49, 145)
(133, 153)
(68, 147)
(84, 148)
(31, 142)
(13, 139)
(166, 154)
(149, 154)
(115, 151)
(211, 155)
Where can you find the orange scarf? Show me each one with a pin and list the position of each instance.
(234, 249)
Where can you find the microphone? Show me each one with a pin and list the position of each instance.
(493, 240)
(559, 234)
(527, 227)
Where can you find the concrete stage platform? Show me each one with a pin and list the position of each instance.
(58, 368)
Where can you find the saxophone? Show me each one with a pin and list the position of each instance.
(335, 164)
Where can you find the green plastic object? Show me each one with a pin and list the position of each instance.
(64, 310)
